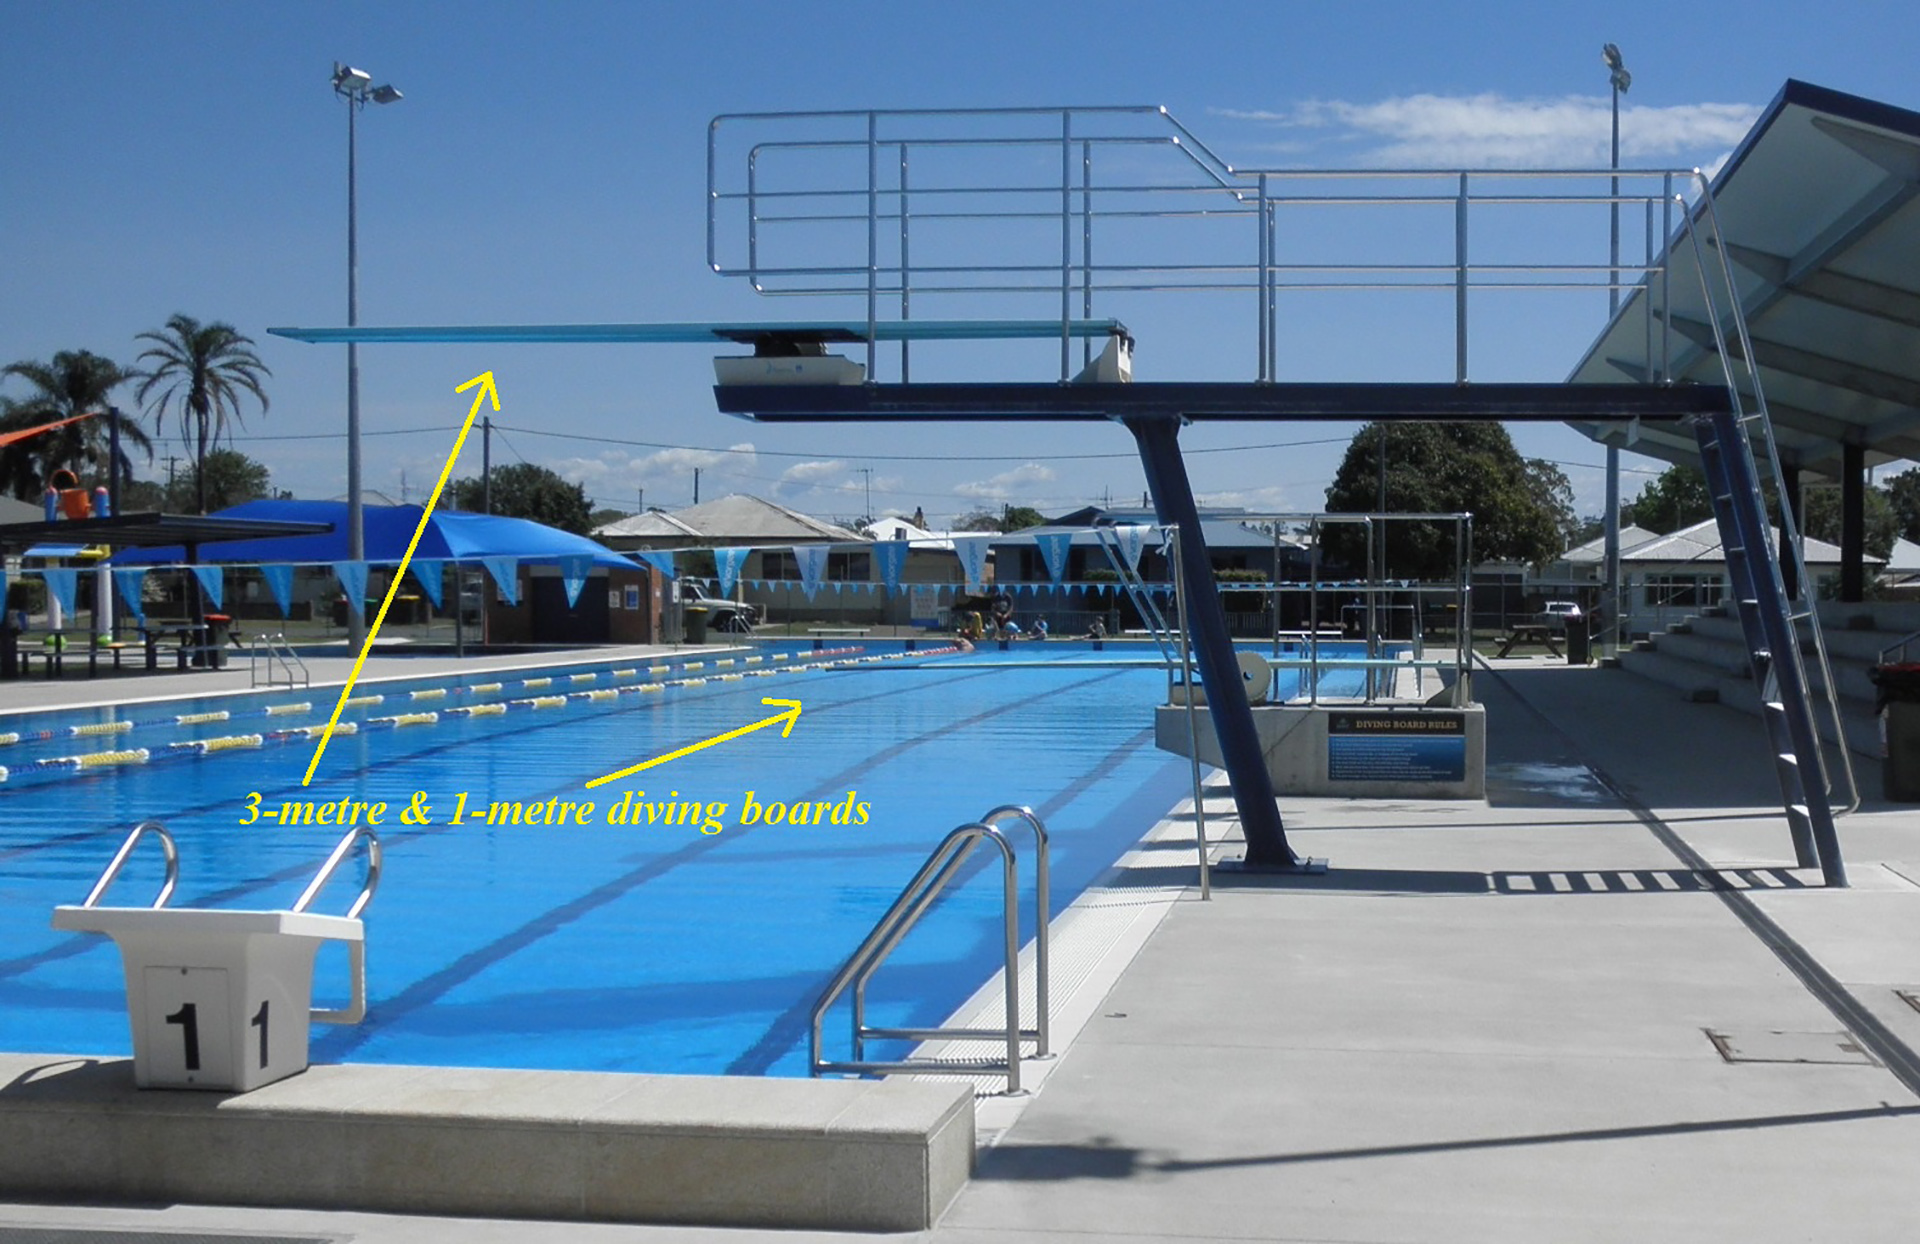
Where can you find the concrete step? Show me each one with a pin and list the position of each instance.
(1725, 658)
(1694, 682)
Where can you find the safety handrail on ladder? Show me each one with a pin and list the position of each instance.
(279, 652)
(1158, 627)
(914, 901)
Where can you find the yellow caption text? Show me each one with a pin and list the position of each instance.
(634, 808)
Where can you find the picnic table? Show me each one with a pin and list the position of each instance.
(1531, 633)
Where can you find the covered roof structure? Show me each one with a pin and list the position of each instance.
(1819, 221)
(450, 536)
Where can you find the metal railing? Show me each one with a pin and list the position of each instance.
(119, 861)
(278, 653)
(902, 207)
(913, 903)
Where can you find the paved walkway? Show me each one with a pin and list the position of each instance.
(1489, 1022)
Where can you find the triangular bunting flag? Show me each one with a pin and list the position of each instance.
(812, 560)
(972, 551)
(892, 557)
(127, 585)
(573, 575)
(663, 562)
(62, 582)
(211, 581)
(353, 581)
(280, 583)
(1053, 550)
(1132, 538)
(426, 571)
(728, 562)
(505, 572)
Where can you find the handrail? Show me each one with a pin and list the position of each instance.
(277, 651)
(332, 865)
(941, 866)
(1899, 646)
(119, 860)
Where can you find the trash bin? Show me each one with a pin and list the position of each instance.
(1579, 645)
(696, 624)
(218, 627)
(1899, 707)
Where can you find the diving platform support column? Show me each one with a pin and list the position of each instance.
(1206, 621)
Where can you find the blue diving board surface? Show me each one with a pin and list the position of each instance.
(778, 332)
(1221, 401)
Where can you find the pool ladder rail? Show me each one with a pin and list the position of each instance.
(356, 1008)
(277, 653)
(915, 900)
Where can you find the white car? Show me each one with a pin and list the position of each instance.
(1556, 613)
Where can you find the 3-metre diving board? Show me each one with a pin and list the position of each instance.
(771, 337)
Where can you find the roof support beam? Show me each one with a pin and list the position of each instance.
(1820, 368)
(1849, 293)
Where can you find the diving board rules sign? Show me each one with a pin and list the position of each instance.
(1427, 745)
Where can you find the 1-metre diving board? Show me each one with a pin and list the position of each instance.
(769, 337)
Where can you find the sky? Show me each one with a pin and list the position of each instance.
(548, 165)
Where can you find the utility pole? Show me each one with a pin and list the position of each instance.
(639, 501)
(486, 465)
(1620, 80)
(868, 472)
(696, 485)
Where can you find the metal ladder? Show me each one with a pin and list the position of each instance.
(1158, 628)
(914, 901)
(277, 651)
(1768, 622)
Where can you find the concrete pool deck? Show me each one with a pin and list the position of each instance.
(1498, 1020)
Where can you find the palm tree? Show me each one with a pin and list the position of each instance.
(198, 375)
(75, 383)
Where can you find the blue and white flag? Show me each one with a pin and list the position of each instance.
(972, 551)
(506, 576)
(573, 574)
(1053, 549)
(727, 563)
(812, 560)
(353, 581)
(280, 583)
(663, 562)
(892, 557)
(62, 582)
(426, 572)
(127, 585)
(1132, 539)
(211, 582)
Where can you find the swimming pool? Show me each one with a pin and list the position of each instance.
(603, 947)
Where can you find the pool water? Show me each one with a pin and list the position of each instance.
(601, 946)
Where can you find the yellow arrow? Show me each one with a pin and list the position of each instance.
(790, 716)
(488, 391)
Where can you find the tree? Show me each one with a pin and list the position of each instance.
(1676, 498)
(1442, 468)
(76, 382)
(198, 376)
(1821, 519)
(232, 478)
(1554, 494)
(1010, 518)
(524, 490)
(1903, 494)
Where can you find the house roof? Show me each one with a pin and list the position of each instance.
(1595, 550)
(895, 528)
(1701, 543)
(731, 520)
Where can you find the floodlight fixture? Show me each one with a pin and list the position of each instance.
(350, 81)
(386, 95)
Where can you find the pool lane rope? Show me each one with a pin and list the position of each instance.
(830, 658)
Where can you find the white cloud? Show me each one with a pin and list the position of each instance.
(1492, 131)
(807, 474)
(614, 475)
(1006, 485)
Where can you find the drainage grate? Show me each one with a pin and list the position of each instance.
(1774, 1046)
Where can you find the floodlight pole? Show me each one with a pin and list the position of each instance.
(1619, 79)
(352, 85)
